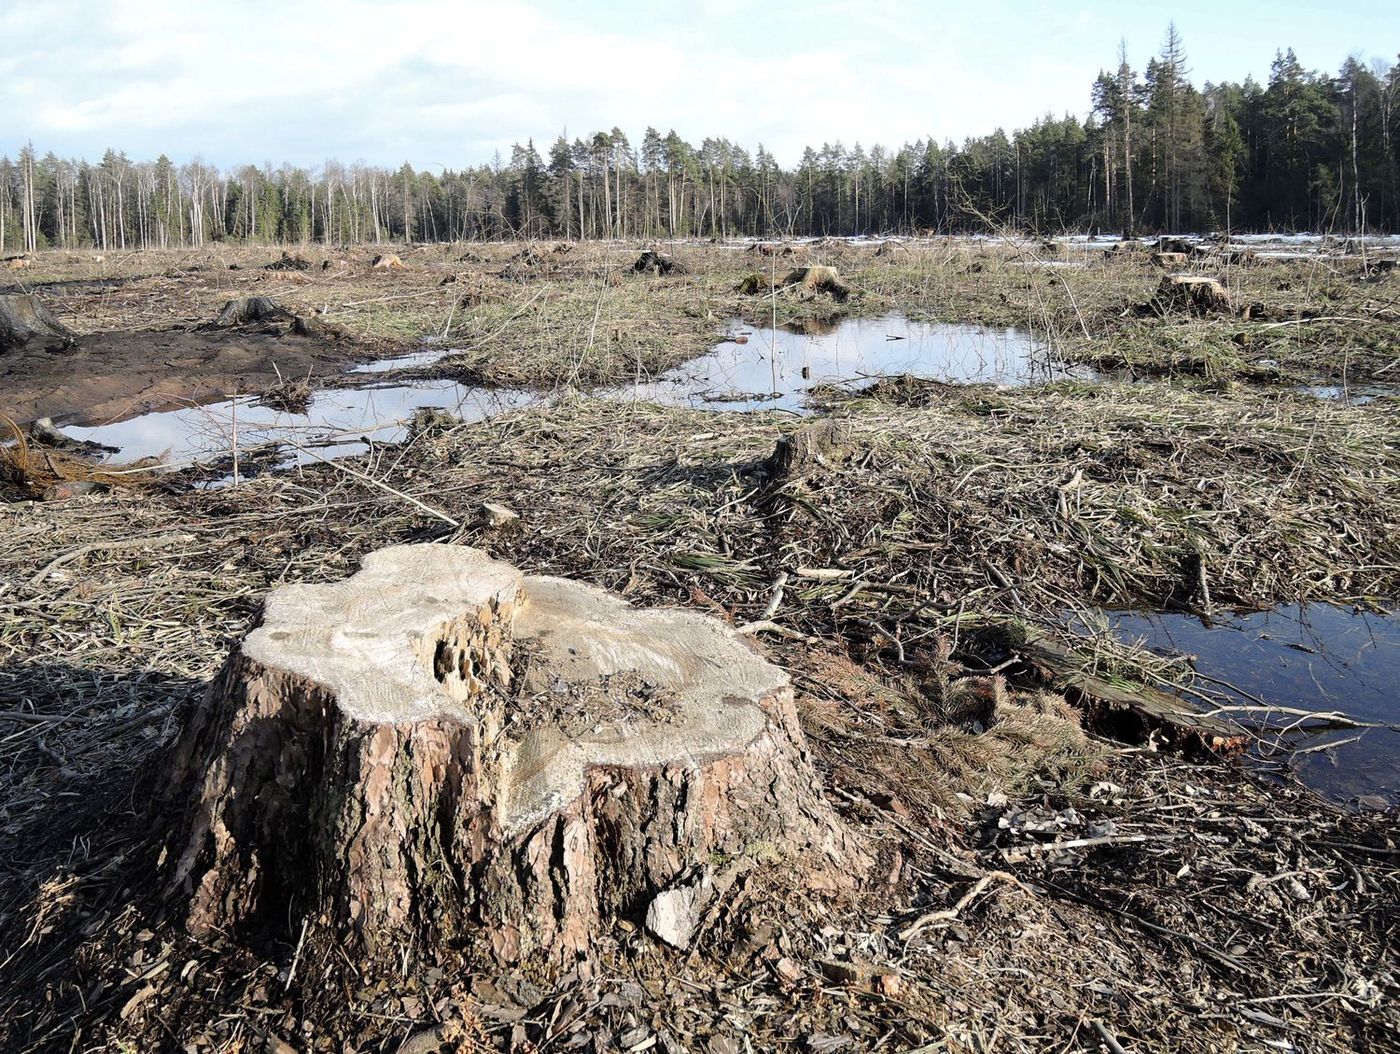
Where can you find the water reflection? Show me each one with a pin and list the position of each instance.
(1313, 657)
(759, 368)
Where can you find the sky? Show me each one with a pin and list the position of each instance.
(451, 82)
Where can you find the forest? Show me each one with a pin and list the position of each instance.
(1306, 151)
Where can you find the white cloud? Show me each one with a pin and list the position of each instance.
(450, 81)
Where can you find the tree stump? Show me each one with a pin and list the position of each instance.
(818, 279)
(1194, 294)
(23, 318)
(440, 749)
(655, 262)
(248, 311)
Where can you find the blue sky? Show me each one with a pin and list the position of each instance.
(449, 82)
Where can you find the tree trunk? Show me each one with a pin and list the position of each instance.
(440, 750)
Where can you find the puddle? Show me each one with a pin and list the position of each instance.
(1313, 657)
(426, 357)
(752, 369)
(1354, 394)
(335, 426)
(760, 368)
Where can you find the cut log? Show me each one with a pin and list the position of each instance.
(24, 318)
(1131, 712)
(1169, 260)
(441, 750)
(43, 433)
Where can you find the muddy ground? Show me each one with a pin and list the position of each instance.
(111, 376)
(1222, 907)
(551, 315)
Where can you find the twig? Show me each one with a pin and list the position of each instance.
(948, 914)
(384, 487)
(1108, 1041)
(766, 626)
(1021, 852)
(775, 598)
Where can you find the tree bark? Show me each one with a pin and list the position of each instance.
(440, 751)
(23, 318)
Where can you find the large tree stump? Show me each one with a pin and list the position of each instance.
(439, 748)
(24, 318)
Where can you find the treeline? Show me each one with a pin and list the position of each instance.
(1306, 151)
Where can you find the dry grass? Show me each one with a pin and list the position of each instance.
(31, 471)
(536, 317)
(949, 515)
(891, 576)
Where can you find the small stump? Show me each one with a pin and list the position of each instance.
(1192, 294)
(249, 311)
(440, 748)
(658, 263)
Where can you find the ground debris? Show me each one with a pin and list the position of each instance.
(291, 395)
(653, 261)
(289, 261)
(1055, 886)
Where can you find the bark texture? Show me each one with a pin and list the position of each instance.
(256, 311)
(440, 749)
(23, 318)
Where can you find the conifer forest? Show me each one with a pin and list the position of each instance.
(1307, 150)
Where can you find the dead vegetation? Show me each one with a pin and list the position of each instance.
(1036, 885)
(40, 464)
(546, 314)
(291, 395)
(1032, 881)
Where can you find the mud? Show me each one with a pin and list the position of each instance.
(113, 376)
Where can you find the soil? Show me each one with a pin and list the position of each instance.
(113, 376)
(1047, 876)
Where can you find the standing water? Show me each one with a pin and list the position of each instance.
(749, 370)
(1315, 658)
(336, 425)
(766, 368)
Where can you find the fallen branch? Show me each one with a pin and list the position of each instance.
(1023, 852)
(948, 914)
